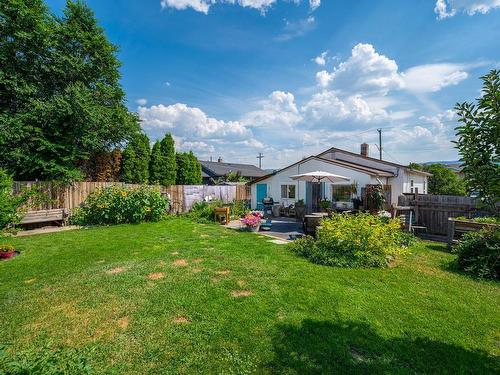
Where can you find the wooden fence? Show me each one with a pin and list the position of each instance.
(433, 211)
(58, 195)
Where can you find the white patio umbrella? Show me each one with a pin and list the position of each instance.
(319, 177)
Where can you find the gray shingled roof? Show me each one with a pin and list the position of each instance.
(216, 169)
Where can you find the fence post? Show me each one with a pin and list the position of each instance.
(451, 232)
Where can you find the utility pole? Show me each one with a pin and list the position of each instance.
(260, 157)
(380, 142)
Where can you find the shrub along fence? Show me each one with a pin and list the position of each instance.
(433, 211)
(181, 197)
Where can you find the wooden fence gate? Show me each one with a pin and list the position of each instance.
(433, 211)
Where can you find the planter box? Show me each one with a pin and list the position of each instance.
(456, 226)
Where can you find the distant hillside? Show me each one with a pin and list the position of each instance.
(454, 165)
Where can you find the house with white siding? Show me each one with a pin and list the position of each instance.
(361, 170)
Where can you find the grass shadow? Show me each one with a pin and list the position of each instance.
(323, 347)
(437, 246)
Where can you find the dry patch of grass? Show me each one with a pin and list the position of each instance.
(116, 270)
(241, 293)
(196, 270)
(181, 320)
(123, 322)
(241, 283)
(204, 236)
(101, 261)
(156, 276)
(180, 263)
(223, 272)
(174, 253)
(198, 260)
(29, 281)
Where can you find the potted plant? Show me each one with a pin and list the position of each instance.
(252, 221)
(300, 209)
(7, 251)
(325, 204)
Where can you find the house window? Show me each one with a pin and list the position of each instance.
(411, 183)
(288, 191)
(341, 193)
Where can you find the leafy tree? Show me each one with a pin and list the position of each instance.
(443, 181)
(415, 166)
(136, 156)
(61, 97)
(156, 164)
(478, 141)
(169, 167)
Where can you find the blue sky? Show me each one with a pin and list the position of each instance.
(233, 78)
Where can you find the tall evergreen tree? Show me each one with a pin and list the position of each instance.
(63, 101)
(156, 164)
(195, 166)
(169, 170)
(188, 169)
(136, 157)
(182, 161)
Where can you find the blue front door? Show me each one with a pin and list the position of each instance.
(261, 194)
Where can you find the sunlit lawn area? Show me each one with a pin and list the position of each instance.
(179, 297)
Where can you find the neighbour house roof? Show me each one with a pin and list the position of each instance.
(357, 167)
(219, 169)
(333, 149)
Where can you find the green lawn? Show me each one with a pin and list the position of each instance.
(179, 297)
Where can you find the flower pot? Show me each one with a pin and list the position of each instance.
(7, 254)
(254, 229)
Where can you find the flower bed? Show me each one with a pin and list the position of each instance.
(117, 205)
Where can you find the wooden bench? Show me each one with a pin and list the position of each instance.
(58, 215)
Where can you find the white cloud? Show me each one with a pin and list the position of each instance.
(321, 59)
(314, 4)
(368, 72)
(294, 29)
(364, 70)
(198, 5)
(203, 6)
(141, 102)
(329, 107)
(433, 77)
(279, 110)
(449, 8)
(184, 121)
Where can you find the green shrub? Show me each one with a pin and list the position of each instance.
(239, 208)
(10, 204)
(118, 205)
(203, 212)
(359, 240)
(484, 219)
(479, 253)
(405, 239)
